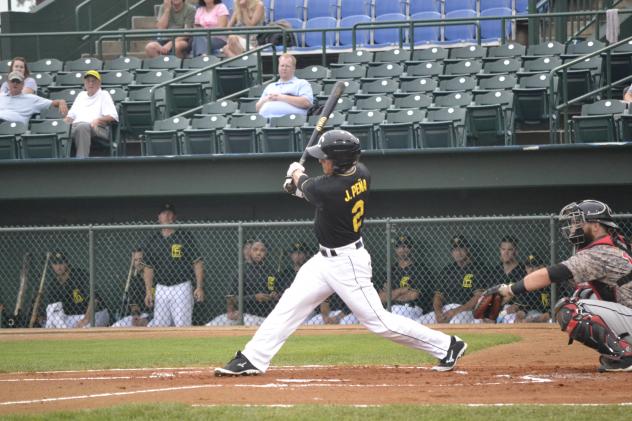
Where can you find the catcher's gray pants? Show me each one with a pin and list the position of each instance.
(82, 134)
(617, 316)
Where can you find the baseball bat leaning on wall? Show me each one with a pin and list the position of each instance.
(15, 320)
(328, 108)
(124, 301)
(40, 292)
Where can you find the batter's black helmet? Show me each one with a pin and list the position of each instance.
(573, 215)
(340, 146)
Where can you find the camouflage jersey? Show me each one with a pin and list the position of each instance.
(607, 267)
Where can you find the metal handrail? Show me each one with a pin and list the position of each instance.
(553, 109)
(153, 89)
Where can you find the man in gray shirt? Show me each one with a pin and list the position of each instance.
(19, 107)
(173, 14)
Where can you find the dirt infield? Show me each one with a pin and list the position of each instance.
(540, 368)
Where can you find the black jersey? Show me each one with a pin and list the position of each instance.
(341, 204)
(74, 293)
(415, 276)
(260, 278)
(171, 257)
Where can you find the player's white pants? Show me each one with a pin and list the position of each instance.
(57, 319)
(223, 320)
(462, 317)
(349, 275)
(173, 305)
(127, 321)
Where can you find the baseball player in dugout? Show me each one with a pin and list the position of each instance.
(262, 290)
(341, 266)
(599, 313)
(67, 300)
(136, 313)
(172, 262)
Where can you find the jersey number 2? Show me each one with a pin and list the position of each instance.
(358, 213)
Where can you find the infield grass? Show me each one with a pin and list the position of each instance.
(83, 354)
(156, 412)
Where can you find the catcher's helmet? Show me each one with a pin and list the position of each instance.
(573, 215)
(340, 146)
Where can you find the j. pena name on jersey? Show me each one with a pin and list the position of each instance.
(356, 189)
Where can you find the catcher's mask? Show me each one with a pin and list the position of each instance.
(574, 215)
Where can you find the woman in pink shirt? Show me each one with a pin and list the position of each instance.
(209, 14)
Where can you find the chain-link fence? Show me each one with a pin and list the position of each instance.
(234, 273)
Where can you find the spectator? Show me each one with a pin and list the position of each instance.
(67, 301)
(262, 290)
(136, 313)
(509, 269)
(628, 94)
(172, 262)
(173, 14)
(409, 296)
(19, 107)
(18, 64)
(209, 14)
(246, 13)
(91, 115)
(288, 95)
(462, 283)
(246, 250)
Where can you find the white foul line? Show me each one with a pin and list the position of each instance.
(105, 395)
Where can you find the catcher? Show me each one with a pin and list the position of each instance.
(599, 313)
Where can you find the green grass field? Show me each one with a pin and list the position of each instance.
(76, 354)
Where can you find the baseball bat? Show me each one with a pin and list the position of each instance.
(40, 292)
(124, 302)
(334, 96)
(19, 302)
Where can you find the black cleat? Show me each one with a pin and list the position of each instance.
(455, 351)
(238, 366)
(610, 364)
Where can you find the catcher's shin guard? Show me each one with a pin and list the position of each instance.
(590, 329)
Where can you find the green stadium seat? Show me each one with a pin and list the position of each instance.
(379, 86)
(392, 56)
(424, 68)
(164, 139)
(364, 125)
(199, 62)
(228, 80)
(400, 131)
(123, 63)
(315, 72)
(470, 52)
(546, 48)
(412, 100)
(374, 102)
(10, 133)
(384, 70)
(336, 119)
(248, 105)
(495, 82)
(501, 65)
(430, 54)
(531, 100)
(485, 125)
(153, 77)
(351, 86)
(136, 110)
(457, 83)
(441, 128)
(46, 65)
(417, 84)
(598, 122)
(357, 56)
(510, 49)
(463, 67)
(162, 62)
(348, 71)
(283, 133)
(83, 64)
(46, 139)
(204, 134)
(243, 133)
(452, 99)
(117, 78)
(224, 107)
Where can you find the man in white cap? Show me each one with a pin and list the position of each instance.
(19, 107)
(91, 114)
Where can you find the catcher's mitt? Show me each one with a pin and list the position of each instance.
(488, 306)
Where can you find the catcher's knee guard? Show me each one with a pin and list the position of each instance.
(590, 329)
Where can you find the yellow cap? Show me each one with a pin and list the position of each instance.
(93, 73)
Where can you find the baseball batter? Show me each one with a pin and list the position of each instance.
(599, 314)
(343, 266)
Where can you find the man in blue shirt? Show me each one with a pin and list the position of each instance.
(288, 95)
(20, 107)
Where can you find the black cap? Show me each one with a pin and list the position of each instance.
(459, 242)
(534, 260)
(168, 207)
(58, 257)
(404, 240)
(298, 246)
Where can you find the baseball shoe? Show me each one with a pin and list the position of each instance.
(238, 366)
(609, 364)
(455, 351)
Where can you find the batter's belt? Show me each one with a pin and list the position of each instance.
(339, 251)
